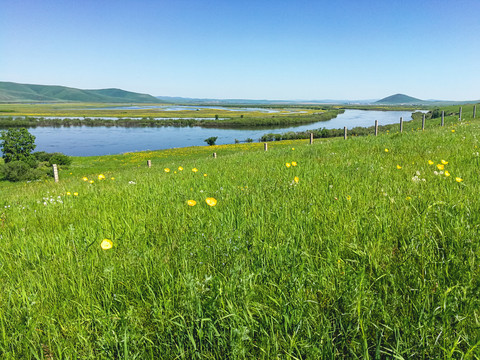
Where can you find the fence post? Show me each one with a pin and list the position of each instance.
(214, 155)
(311, 138)
(460, 114)
(55, 172)
(265, 146)
(376, 127)
(345, 133)
(401, 124)
(423, 122)
(443, 118)
(474, 111)
(149, 163)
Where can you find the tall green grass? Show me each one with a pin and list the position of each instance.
(361, 258)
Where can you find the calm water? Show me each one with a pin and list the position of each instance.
(183, 108)
(89, 141)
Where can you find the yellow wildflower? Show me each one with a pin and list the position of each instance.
(453, 130)
(399, 167)
(205, 175)
(447, 173)
(296, 179)
(166, 170)
(288, 165)
(293, 148)
(180, 168)
(106, 244)
(191, 202)
(440, 166)
(112, 178)
(211, 201)
(294, 163)
(430, 162)
(68, 193)
(91, 181)
(349, 197)
(194, 170)
(101, 177)
(386, 150)
(457, 179)
(444, 162)
(84, 178)
(75, 194)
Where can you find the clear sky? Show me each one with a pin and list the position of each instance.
(253, 49)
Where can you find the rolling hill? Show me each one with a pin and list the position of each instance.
(14, 92)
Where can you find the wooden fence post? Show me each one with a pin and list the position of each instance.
(443, 118)
(474, 111)
(423, 122)
(149, 163)
(55, 172)
(265, 146)
(345, 133)
(460, 114)
(214, 155)
(401, 124)
(311, 138)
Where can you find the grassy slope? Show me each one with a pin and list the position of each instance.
(356, 260)
(13, 92)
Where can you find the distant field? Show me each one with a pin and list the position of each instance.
(13, 115)
(360, 248)
(92, 110)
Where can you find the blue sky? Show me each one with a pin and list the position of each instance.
(258, 49)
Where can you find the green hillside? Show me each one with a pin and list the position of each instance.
(399, 99)
(365, 248)
(14, 92)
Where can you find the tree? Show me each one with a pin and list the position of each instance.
(211, 140)
(17, 145)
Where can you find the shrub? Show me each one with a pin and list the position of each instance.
(42, 156)
(211, 140)
(20, 171)
(60, 159)
(17, 145)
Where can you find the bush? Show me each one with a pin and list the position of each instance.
(60, 159)
(53, 158)
(20, 171)
(249, 140)
(42, 156)
(211, 140)
(17, 145)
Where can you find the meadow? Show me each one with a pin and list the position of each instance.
(85, 114)
(359, 248)
(102, 110)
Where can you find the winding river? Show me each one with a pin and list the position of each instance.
(90, 141)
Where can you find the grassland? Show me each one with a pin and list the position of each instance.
(364, 249)
(93, 110)
(33, 115)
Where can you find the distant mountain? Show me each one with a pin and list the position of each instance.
(399, 99)
(14, 92)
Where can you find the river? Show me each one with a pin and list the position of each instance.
(90, 141)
